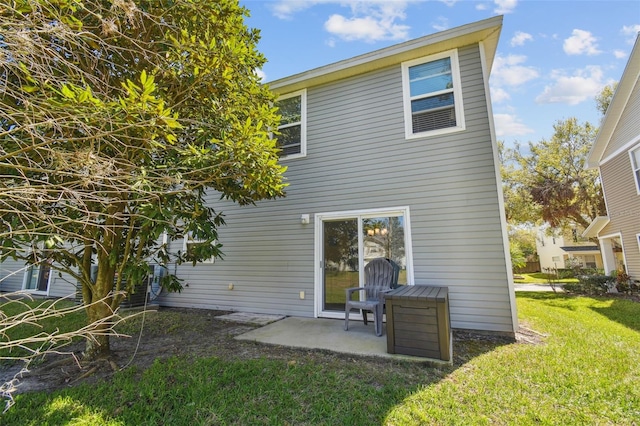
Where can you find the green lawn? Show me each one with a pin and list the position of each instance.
(586, 371)
(541, 278)
(54, 324)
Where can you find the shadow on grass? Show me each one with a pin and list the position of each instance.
(212, 391)
(622, 311)
(307, 387)
(615, 308)
(558, 300)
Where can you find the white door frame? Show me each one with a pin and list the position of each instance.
(319, 249)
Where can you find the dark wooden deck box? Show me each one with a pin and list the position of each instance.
(418, 322)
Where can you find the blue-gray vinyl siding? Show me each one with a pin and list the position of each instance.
(12, 278)
(357, 159)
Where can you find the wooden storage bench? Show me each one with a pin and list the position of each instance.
(418, 322)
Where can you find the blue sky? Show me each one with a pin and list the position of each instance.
(553, 58)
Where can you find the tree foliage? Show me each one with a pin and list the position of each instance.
(603, 100)
(116, 120)
(550, 178)
(518, 204)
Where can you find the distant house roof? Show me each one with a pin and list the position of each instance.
(574, 249)
(486, 31)
(616, 107)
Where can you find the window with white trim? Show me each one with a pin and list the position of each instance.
(635, 165)
(432, 95)
(191, 243)
(638, 238)
(292, 138)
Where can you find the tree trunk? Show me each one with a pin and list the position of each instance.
(98, 348)
(99, 312)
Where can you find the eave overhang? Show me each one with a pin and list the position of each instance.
(595, 227)
(486, 31)
(616, 107)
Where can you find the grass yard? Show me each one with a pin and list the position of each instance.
(541, 278)
(15, 309)
(586, 371)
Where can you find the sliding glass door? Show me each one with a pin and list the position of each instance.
(348, 242)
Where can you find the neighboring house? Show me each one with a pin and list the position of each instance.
(391, 153)
(558, 250)
(616, 153)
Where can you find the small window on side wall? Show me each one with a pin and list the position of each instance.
(191, 245)
(635, 165)
(292, 139)
(432, 95)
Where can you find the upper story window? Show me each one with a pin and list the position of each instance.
(292, 139)
(635, 165)
(432, 95)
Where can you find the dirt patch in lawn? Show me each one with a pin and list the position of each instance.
(196, 333)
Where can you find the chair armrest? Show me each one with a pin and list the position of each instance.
(352, 290)
(382, 293)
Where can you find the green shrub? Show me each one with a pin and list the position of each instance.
(593, 284)
(566, 273)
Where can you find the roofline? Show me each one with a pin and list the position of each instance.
(595, 226)
(487, 30)
(616, 107)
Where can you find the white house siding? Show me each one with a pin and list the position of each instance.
(623, 204)
(357, 158)
(628, 127)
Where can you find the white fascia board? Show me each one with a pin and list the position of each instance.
(487, 30)
(618, 103)
(595, 226)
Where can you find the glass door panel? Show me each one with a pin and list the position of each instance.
(384, 236)
(340, 261)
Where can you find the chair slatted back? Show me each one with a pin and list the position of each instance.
(379, 275)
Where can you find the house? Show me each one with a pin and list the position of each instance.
(559, 250)
(391, 153)
(616, 153)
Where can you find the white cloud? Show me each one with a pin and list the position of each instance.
(481, 6)
(505, 6)
(520, 37)
(370, 21)
(509, 71)
(583, 85)
(631, 31)
(449, 3)
(285, 9)
(619, 54)
(499, 95)
(441, 24)
(510, 125)
(368, 29)
(580, 43)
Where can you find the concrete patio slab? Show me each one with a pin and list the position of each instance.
(250, 318)
(328, 334)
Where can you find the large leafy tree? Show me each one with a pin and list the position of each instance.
(604, 98)
(551, 175)
(117, 118)
(518, 204)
